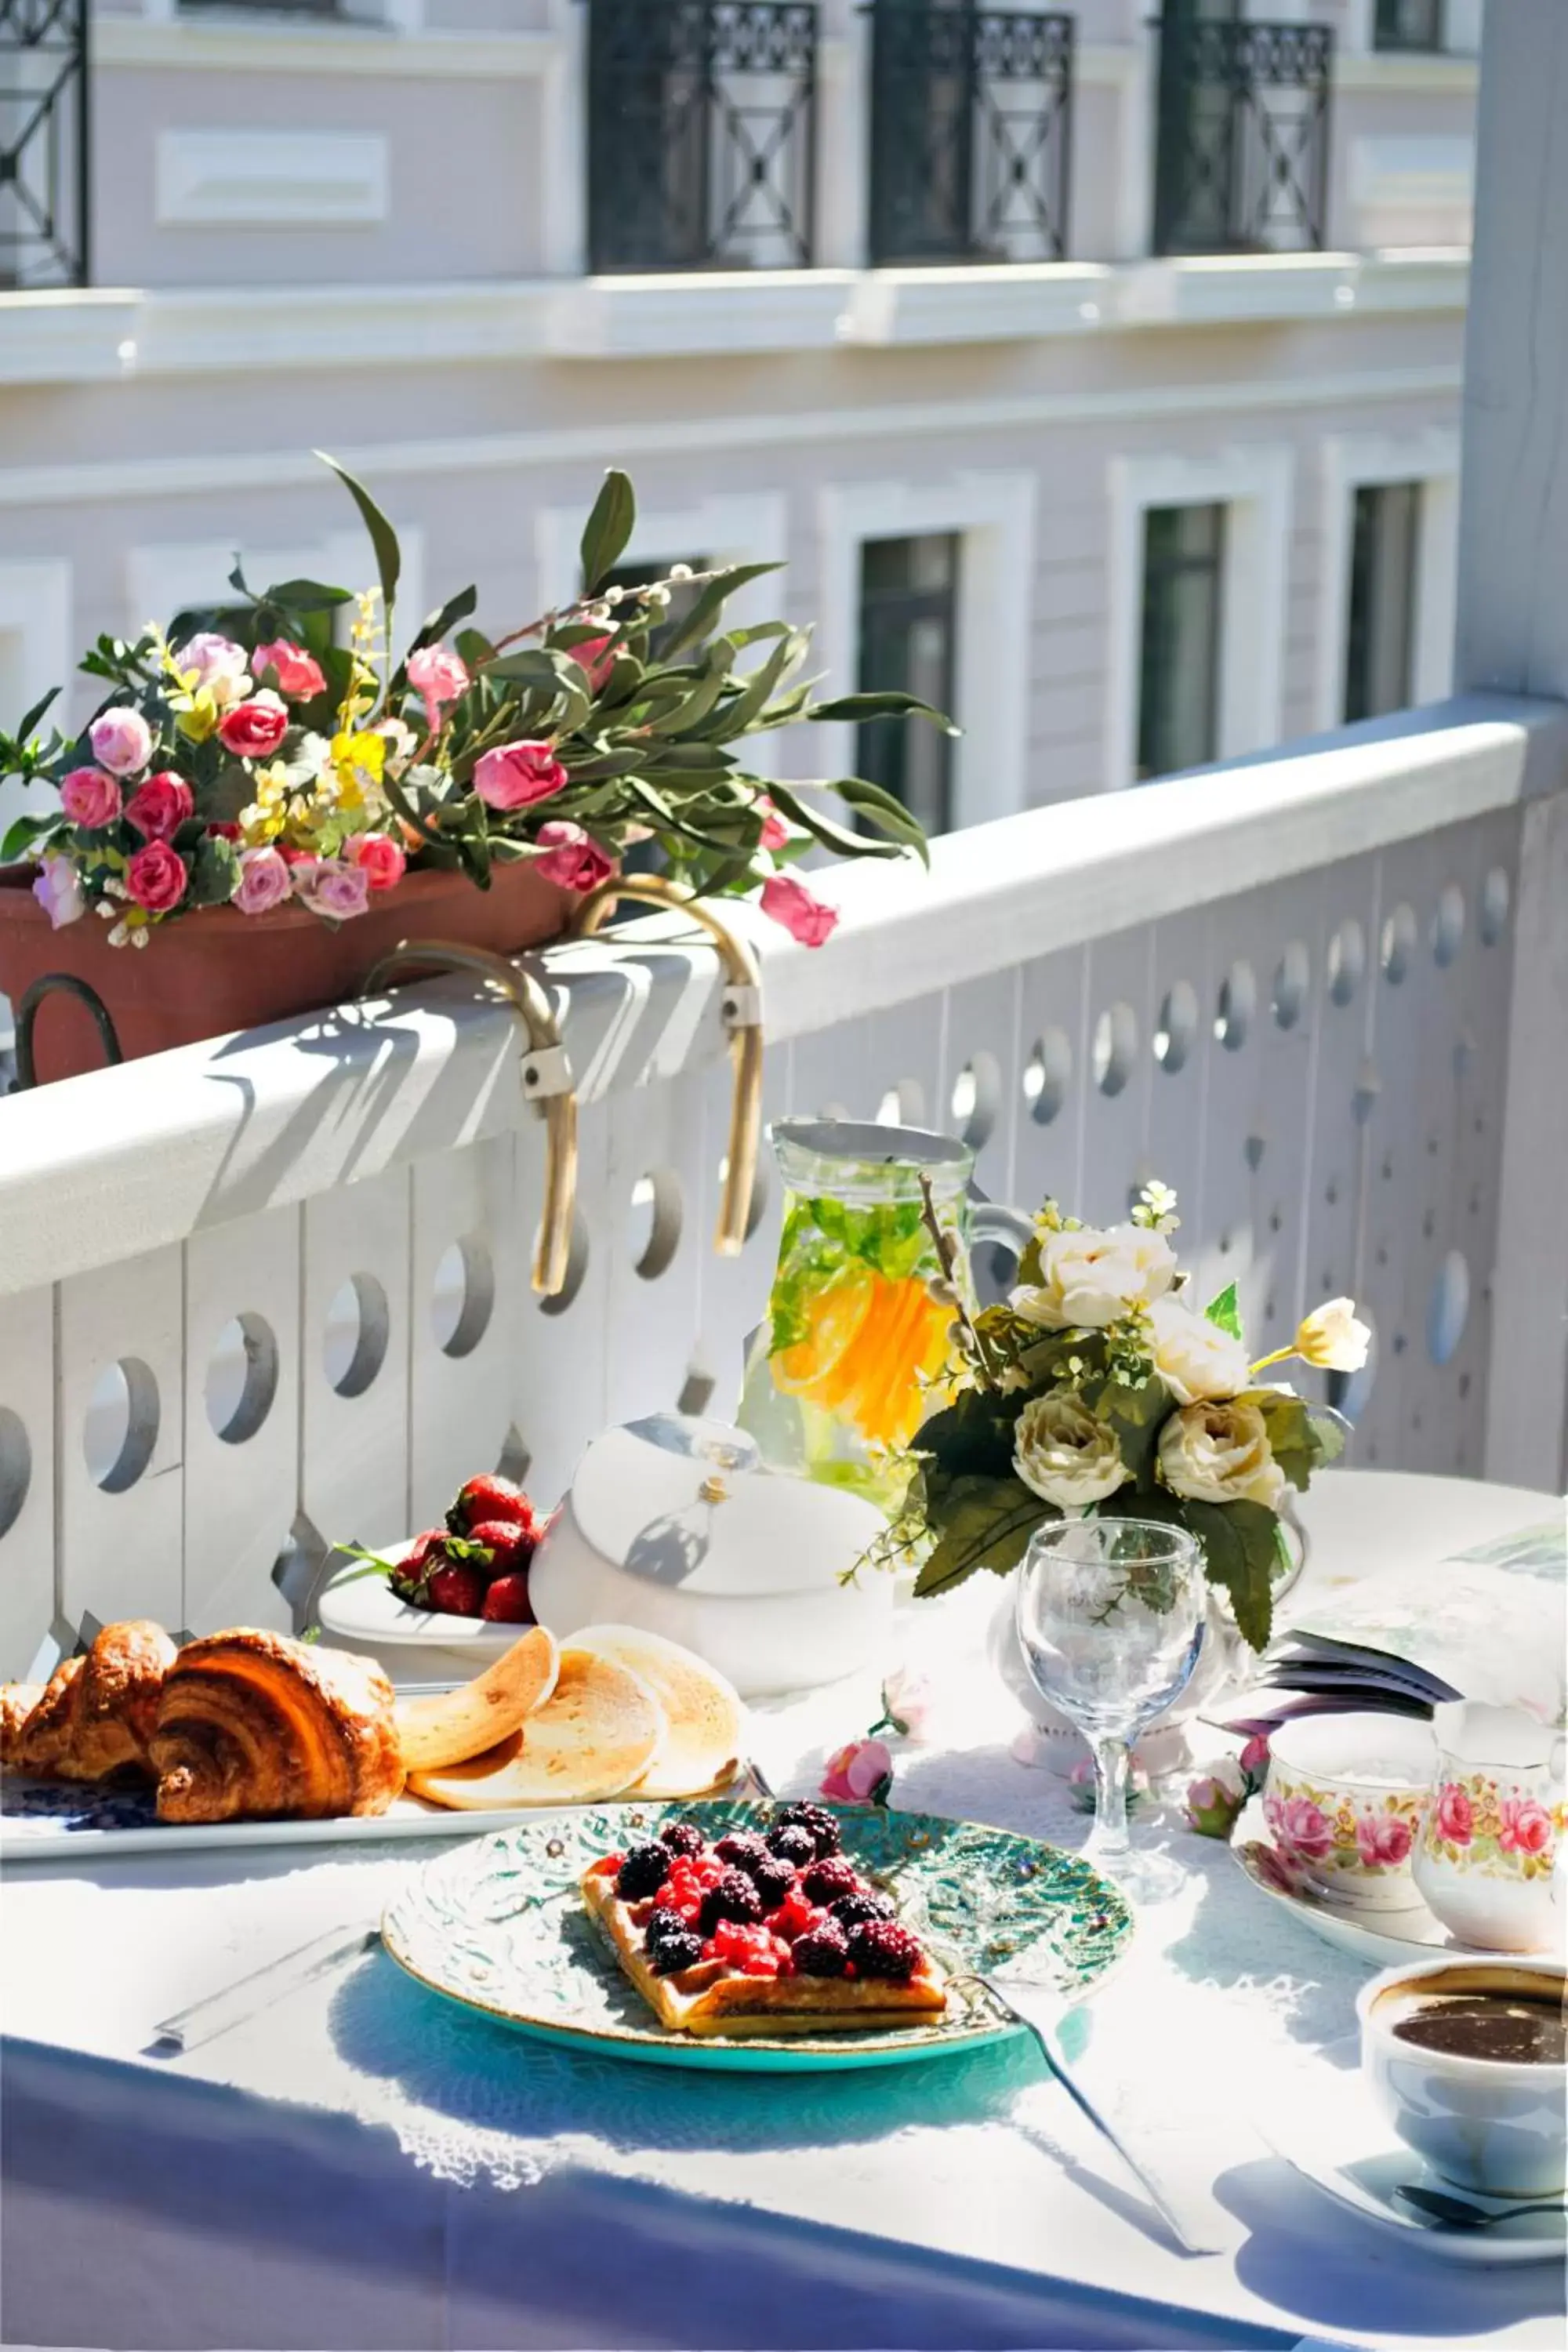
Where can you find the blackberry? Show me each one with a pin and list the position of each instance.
(821, 1952)
(681, 1837)
(643, 1872)
(793, 1844)
(825, 1881)
(674, 1952)
(818, 1820)
(731, 1897)
(881, 1948)
(773, 1880)
(743, 1849)
(661, 1922)
(851, 1910)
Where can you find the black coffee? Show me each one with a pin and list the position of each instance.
(1511, 2028)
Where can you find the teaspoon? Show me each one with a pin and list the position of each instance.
(1460, 2213)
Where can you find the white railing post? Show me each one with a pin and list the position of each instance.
(1513, 636)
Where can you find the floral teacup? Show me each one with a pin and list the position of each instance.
(1343, 1801)
(1485, 1863)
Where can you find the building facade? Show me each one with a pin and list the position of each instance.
(1097, 377)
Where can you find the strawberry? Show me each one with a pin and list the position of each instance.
(458, 1591)
(424, 1555)
(508, 1544)
(488, 1497)
(506, 1603)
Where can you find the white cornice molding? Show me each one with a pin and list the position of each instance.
(65, 337)
(283, 45)
(1399, 73)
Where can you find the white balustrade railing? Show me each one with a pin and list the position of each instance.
(262, 1293)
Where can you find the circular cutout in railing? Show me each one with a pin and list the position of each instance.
(1115, 1048)
(1177, 1027)
(903, 1104)
(653, 1222)
(241, 1377)
(1346, 961)
(1236, 1005)
(462, 1295)
(576, 1267)
(1292, 985)
(1398, 943)
(1496, 896)
(16, 1467)
(1449, 1306)
(977, 1099)
(1048, 1073)
(121, 1428)
(1448, 924)
(353, 1345)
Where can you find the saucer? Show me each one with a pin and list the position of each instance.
(1385, 1938)
(1324, 2122)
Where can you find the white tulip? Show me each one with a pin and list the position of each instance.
(1333, 1340)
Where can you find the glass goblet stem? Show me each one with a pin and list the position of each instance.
(1108, 1840)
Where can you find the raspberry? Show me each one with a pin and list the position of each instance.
(818, 1820)
(509, 1545)
(773, 1881)
(457, 1589)
(743, 1849)
(822, 1951)
(679, 1950)
(825, 1881)
(752, 1951)
(796, 1915)
(489, 1497)
(851, 1909)
(507, 1601)
(686, 1889)
(681, 1837)
(881, 1948)
(644, 1872)
(731, 1897)
(793, 1843)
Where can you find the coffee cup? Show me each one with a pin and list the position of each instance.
(1344, 1802)
(1466, 2059)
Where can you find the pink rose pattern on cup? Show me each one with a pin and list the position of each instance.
(1495, 1827)
(1324, 1828)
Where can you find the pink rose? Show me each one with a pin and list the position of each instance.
(122, 741)
(803, 917)
(592, 655)
(570, 858)
(57, 890)
(1381, 1839)
(160, 806)
(155, 877)
(89, 798)
(1526, 1826)
(379, 857)
(1456, 1814)
(858, 1774)
(776, 833)
(440, 676)
(215, 664)
(333, 889)
(907, 1700)
(299, 674)
(252, 730)
(1215, 1798)
(265, 881)
(515, 775)
(1254, 1760)
(1301, 1827)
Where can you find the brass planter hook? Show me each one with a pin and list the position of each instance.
(546, 1079)
(743, 1009)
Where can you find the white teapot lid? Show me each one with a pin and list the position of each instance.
(688, 1502)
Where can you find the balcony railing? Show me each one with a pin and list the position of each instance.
(1241, 163)
(970, 132)
(43, 143)
(701, 134)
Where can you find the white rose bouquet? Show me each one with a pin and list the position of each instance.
(1100, 1387)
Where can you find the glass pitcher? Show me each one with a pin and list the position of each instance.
(858, 1319)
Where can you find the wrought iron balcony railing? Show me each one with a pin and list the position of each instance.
(970, 132)
(43, 143)
(701, 133)
(1241, 163)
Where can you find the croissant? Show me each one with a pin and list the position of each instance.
(95, 1714)
(252, 1724)
(17, 1701)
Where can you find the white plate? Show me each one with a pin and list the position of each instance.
(1322, 2119)
(1386, 1938)
(363, 1613)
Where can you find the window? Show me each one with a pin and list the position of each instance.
(1178, 667)
(1381, 634)
(908, 600)
(1408, 24)
(682, 598)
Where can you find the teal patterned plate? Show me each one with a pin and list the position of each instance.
(498, 1925)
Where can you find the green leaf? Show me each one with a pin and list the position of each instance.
(308, 595)
(889, 815)
(858, 706)
(761, 686)
(1302, 1437)
(974, 1436)
(215, 870)
(383, 538)
(979, 1522)
(1137, 1415)
(1240, 1543)
(31, 719)
(1223, 1311)
(607, 529)
(22, 831)
(822, 828)
(435, 625)
(475, 647)
(707, 606)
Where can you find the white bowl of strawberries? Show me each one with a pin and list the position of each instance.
(451, 1597)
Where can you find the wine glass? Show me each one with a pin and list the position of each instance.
(1111, 1621)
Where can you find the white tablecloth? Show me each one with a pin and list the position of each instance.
(366, 2165)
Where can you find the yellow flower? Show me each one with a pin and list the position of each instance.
(1332, 1338)
(199, 720)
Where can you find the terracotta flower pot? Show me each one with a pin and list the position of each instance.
(216, 969)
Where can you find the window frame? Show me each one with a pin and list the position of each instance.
(1350, 462)
(918, 602)
(1175, 567)
(1383, 46)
